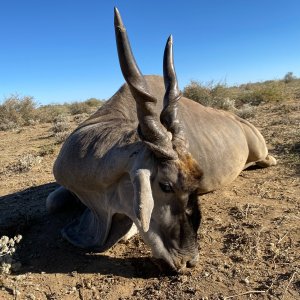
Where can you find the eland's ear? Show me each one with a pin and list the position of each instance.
(143, 199)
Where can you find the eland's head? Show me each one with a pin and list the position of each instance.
(166, 178)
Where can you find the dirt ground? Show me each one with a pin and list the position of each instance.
(249, 241)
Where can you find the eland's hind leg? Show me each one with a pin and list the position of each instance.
(61, 199)
(258, 151)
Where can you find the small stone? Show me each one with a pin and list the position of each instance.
(74, 273)
(183, 278)
(20, 277)
(246, 280)
(16, 293)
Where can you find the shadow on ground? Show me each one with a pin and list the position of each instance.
(42, 248)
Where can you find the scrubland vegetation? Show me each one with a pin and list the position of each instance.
(17, 111)
(243, 99)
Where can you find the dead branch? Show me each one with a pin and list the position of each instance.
(245, 293)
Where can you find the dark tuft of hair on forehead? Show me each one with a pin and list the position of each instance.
(190, 172)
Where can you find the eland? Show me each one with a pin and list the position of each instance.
(144, 159)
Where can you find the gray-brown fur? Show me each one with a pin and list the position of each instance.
(127, 167)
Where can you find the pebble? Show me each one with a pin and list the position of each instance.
(74, 273)
(246, 280)
(16, 293)
(183, 278)
(20, 277)
(206, 274)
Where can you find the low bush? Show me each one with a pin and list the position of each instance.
(270, 91)
(7, 250)
(211, 94)
(86, 107)
(48, 113)
(289, 77)
(17, 111)
(77, 108)
(46, 150)
(246, 111)
(25, 163)
(60, 137)
(239, 99)
(94, 102)
(80, 118)
(60, 124)
(61, 128)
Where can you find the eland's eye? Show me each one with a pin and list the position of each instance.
(166, 187)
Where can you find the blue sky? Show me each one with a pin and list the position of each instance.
(64, 50)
